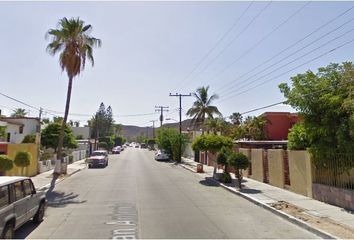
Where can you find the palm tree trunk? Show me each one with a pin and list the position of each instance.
(63, 169)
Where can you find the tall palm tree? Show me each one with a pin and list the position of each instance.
(202, 107)
(19, 112)
(72, 40)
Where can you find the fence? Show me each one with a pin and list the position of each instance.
(47, 165)
(336, 170)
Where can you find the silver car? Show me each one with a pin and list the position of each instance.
(19, 202)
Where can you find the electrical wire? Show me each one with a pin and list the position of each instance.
(294, 44)
(245, 83)
(274, 78)
(214, 46)
(231, 42)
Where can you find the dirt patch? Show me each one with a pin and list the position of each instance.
(318, 222)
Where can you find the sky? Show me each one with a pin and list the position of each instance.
(241, 50)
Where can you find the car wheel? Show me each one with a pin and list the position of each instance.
(9, 231)
(40, 214)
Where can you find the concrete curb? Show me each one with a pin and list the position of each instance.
(279, 213)
(45, 187)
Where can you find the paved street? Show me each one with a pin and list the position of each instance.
(135, 196)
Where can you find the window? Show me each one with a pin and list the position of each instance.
(4, 196)
(19, 193)
(28, 187)
(20, 130)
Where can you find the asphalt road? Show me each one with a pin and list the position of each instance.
(137, 197)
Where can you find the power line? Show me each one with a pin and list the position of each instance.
(296, 43)
(215, 45)
(271, 79)
(245, 83)
(286, 101)
(19, 101)
(232, 41)
(260, 41)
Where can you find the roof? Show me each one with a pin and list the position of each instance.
(7, 180)
(11, 122)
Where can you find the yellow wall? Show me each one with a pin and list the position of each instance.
(276, 167)
(32, 169)
(257, 164)
(300, 172)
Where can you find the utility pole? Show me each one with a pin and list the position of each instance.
(153, 128)
(161, 109)
(180, 119)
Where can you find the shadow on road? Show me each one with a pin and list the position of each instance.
(62, 199)
(25, 230)
(208, 181)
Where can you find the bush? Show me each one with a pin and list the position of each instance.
(22, 160)
(71, 159)
(226, 178)
(6, 164)
(103, 145)
(30, 138)
(297, 138)
(239, 161)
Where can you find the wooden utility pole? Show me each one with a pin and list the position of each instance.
(161, 109)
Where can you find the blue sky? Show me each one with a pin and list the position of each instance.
(149, 49)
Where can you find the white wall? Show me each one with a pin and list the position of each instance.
(30, 126)
(84, 131)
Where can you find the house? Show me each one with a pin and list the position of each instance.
(279, 124)
(16, 128)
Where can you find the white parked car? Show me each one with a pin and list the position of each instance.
(98, 158)
(19, 202)
(161, 156)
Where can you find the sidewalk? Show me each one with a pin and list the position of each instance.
(42, 181)
(320, 218)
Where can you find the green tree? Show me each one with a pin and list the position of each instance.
(169, 140)
(46, 120)
(30, 138)
(103, 145)
(326, 105)
(75, 44)
(57, 119)
(202, 107)
(102, 123)
(19, 112)
(22, 160)
(211, 143)
(240, 162)
(2, 132)
(50, 137)
(236, 118)
(6, 164)
(108, 140)
(297, 138)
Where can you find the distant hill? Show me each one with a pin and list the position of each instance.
(132, 132)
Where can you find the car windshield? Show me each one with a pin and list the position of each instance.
(98, 154)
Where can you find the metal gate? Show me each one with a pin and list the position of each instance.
(265, 166)
(286, 168)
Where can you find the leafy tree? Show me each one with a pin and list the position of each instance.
(58, 119)
(79, 137)
(202, 107)
(19, 112)
(6, 164)
(50, 137)
(2, 131)
(326, 105)
(297, 138)
(73, 41)
(103, 145)
(22, 160)
(119, 140)
(108, 140)
(46, 120)
(222, 158)
(169, 140)
(30, 138)
(77, 123)
(216, 125)
(240, 162)
(236, 118)
(102, 122)
(211, 143)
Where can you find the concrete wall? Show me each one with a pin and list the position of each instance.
(83, 131)
(332, 195)
(300, 172)
(276, 168)
(257, 164)
(32, 169)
